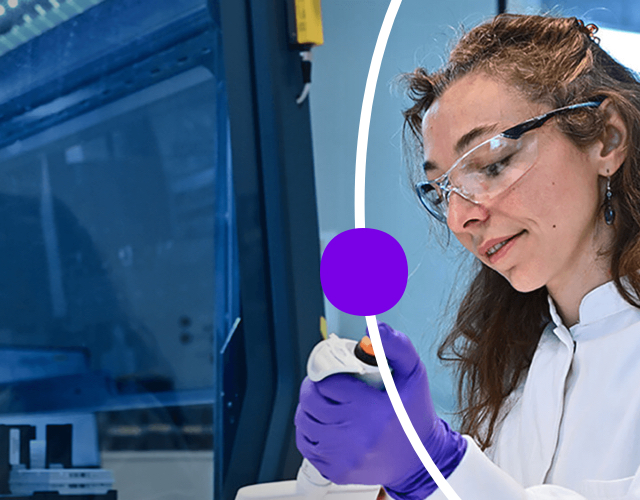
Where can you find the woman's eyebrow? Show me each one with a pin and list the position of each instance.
(429, 166)
(463, 142)
(466, 139)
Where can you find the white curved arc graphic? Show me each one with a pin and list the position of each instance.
(361, 165)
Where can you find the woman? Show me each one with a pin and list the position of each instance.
(529, 141)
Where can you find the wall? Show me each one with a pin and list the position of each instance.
(420, 35)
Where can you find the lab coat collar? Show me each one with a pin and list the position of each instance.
(603, 302)
(560, 330)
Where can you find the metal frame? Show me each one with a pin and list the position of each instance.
(278, 241)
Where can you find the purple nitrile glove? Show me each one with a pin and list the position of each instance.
(351, 434)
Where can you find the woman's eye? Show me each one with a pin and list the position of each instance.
(496, 168)
(437, 201)
(432, 194)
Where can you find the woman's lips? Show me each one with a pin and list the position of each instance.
(497, 248)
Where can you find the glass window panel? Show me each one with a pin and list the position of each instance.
(108, 243)
(107, 246)
(107, 279)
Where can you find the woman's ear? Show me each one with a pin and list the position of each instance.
(612, 145)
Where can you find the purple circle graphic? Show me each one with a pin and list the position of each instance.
(364, 271)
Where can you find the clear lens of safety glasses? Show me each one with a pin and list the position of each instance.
(487, 170)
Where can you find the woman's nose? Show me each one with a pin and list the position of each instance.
(464, 213)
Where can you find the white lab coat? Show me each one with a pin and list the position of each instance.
(573, 428)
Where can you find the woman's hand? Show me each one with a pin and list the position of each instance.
(351, 434)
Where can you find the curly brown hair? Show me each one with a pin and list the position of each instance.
(556, 61)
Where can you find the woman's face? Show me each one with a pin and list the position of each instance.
(550, 217)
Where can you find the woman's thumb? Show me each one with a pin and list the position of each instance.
(398, 349)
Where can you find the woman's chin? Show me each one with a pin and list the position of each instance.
(523, 284)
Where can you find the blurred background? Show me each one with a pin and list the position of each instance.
(164, 202)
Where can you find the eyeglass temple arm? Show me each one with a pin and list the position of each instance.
(518, 130)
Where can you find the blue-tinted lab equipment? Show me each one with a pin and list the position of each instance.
(159, 253)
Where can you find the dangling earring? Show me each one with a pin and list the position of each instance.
(609, 213)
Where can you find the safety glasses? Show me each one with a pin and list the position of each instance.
(491, 167)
